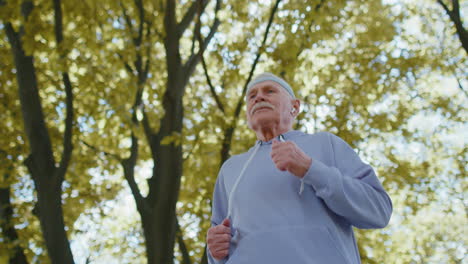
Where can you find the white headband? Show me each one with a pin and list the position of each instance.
(271, 77)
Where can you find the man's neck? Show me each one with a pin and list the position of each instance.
(267, 134)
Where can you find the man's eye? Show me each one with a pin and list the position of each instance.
(271, 91)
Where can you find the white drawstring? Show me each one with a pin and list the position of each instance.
(301, 188)
(239, 178)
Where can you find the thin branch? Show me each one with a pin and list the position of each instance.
(26, 8)
(194, 145)
(193, 59)
(58, 22)
(183, 248)
(145, 121)
(129, 173)
(67, 136)
(130, 162)
(205, 69)
(319, 5)
(444, 6)
(456, 19)
(194, 36)
(127, 19)
(141, 13)
(148, 47)
(212, 89)
(150, 136)
(97, 150)
(12, 35)
(129, 68)
(189, 15)
(458, 81)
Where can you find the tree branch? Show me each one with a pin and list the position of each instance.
(444, 6)
(148, 48)
(212, 89)
(194, 145)
(12, 35)
(129, 173)
(128, 21)
(183, 248)
(151, 137)
(170, 23)
(115, 156)
(141, 13)
(456, 19)
(127, 66)
(189, 15)
(67, 136)
(458, 81)
(254, 65)
(58, 23)
(205, 69)
(194, 58)
(26, 8)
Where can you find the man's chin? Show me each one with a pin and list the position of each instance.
(258, 121)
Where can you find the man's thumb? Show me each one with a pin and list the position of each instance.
(226, 222)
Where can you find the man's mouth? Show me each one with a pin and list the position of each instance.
(261, 106)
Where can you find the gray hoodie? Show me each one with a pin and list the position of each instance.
(273, 222)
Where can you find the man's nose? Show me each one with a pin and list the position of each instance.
(259, 97)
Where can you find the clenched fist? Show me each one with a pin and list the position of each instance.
(287, 156)
(218, 239)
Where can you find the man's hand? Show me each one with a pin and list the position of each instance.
(218, 239)
(287, 156)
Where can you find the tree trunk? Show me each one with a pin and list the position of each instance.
(8, 230)
(168, 172)
(49, 210)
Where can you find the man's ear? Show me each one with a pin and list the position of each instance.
(296, 105)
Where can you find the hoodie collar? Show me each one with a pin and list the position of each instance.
(286, 136)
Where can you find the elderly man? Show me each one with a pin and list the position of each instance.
(293, 198)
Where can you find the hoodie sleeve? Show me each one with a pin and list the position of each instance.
(350, 187)
(218, 211)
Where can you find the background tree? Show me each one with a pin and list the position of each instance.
(141, 27)
(48, 177)
(36, 63)
(391, 83)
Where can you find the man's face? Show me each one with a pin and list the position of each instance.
(269, 103)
